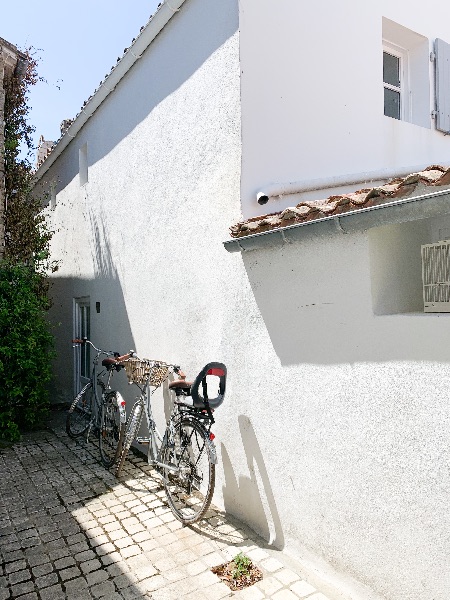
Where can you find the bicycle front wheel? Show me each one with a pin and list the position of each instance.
(189, 476)
(80, 412)
(112, 429)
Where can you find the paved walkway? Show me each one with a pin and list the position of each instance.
(70, 530)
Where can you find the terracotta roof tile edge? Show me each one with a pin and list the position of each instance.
(397, 188)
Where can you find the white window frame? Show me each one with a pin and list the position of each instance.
(404, 89)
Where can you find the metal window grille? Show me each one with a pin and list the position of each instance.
(436, 276)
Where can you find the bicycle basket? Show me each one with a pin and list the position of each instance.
(138, 371)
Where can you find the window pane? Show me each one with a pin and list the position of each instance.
(391, 69)
(391, 103)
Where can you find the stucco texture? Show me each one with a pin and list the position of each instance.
(333, 437)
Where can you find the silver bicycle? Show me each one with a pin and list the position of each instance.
(184, 455)
(97, 407)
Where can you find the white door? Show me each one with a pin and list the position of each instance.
(82, 355)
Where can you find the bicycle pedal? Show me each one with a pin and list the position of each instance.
(143, 440)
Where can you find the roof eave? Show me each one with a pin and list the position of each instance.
(131, 56)
(399, 211)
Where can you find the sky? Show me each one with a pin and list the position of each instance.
(76, 44)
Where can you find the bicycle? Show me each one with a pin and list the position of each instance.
(185, 455)
(103, 412)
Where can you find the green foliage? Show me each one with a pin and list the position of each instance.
(26, 350)
(242, 565)
(27, 234)
(26, 344)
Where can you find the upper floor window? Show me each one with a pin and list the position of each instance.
(406, 74)
(395, 94)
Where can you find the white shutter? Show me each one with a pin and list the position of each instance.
(442, 52)
(436, 276)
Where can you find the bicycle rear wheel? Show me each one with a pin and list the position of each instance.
(190, 487)
(80, 412)
(112, 429)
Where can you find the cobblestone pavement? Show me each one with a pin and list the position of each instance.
(70, 530)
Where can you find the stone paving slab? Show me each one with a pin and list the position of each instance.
(69, 530)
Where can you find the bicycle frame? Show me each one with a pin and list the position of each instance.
(185, 455)
(96, 380)
(155, 439)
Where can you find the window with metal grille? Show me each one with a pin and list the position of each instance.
(436, 276)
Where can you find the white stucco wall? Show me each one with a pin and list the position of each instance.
(352, 418)
(312, 93)
(144, 235)
(333, 438)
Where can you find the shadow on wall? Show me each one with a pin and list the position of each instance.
(317, 301)
(109, 322)
(252, 497)
(203, 27)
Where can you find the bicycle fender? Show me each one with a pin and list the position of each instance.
(118, 399)
(213, 452)
(121, 406)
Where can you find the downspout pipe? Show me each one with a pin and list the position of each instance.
(278, 190)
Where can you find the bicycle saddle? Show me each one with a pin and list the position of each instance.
(111, 363)
(179, 383)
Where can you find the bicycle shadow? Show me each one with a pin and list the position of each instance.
(251, 498)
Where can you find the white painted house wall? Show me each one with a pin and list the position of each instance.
(312, 91)
(333, 438)
(163, 156)
(356, 378)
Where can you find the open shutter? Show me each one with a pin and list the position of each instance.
(442, 52)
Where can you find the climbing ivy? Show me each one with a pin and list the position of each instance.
(27, 234)
(26, 343)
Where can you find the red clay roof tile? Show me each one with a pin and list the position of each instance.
(400, 187)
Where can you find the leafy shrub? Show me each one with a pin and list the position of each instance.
(26, 350)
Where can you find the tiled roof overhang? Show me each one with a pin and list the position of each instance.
(421, 206)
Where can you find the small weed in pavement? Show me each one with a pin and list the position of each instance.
(239, 573)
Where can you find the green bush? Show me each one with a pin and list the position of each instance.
(26, 350)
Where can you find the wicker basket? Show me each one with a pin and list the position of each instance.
(139, 370)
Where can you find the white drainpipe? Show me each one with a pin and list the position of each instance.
(278, 190)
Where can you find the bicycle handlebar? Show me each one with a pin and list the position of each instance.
(116, 355)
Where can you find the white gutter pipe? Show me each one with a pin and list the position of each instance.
(133, 53)
(278, 190)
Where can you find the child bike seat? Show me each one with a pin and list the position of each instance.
(191, 388)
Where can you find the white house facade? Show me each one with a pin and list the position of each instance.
(334, 436)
